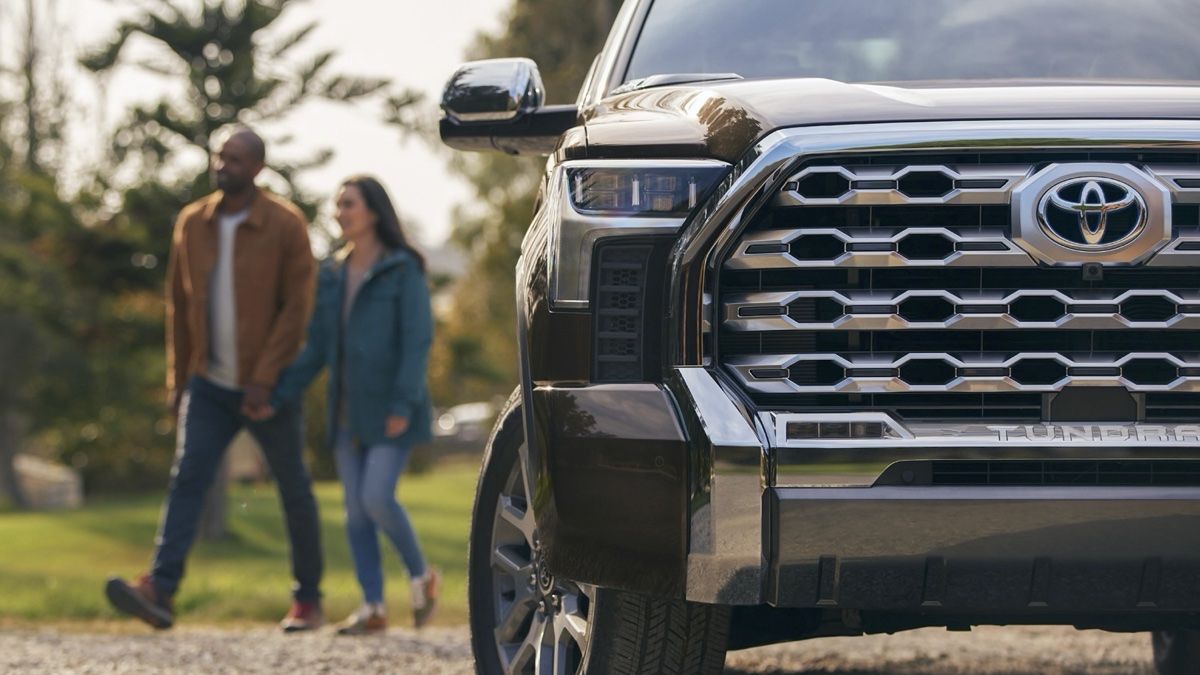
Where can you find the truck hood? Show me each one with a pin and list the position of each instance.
(722, 119)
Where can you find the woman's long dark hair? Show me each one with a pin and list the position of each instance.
(387, 223)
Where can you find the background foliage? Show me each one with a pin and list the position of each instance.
(81, 271)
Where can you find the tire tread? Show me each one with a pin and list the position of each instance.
(1176, 651)
(642, 635)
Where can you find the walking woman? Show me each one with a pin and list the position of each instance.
(372, 328)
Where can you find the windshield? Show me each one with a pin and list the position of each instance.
(921, 40)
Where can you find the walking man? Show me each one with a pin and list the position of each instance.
(239, 294)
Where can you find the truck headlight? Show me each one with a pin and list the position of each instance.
(589, 200)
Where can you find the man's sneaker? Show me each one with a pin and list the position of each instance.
(141, 599)
(303, 616)
(368, 619)
(424, 597)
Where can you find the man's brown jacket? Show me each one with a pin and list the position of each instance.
(273, 276)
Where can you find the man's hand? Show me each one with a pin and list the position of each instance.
(396, 425)
(256, 402)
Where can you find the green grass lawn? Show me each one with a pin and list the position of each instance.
(53, 565)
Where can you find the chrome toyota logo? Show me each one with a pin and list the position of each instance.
(1083, 213)
(1092, 213)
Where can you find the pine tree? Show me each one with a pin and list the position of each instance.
(236, 70)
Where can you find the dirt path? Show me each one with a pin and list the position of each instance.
(121, 650)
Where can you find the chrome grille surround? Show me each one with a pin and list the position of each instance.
(864, 248)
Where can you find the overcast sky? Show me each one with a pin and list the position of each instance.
(415, 43)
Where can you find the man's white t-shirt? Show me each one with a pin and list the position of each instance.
(222, 306)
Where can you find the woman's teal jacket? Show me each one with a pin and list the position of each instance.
(384, 350)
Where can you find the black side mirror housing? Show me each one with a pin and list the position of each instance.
(497, 104)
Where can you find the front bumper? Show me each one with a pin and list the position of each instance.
(985, 549)
(815, 527)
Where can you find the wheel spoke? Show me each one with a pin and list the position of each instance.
(508, 561)
(546, 657)
(561, 654)
(528, 653)
(572, 626)
(566, 635)
(518, 611)
(518, 517)
(573, 615)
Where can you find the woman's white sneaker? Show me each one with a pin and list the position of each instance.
(424, 596)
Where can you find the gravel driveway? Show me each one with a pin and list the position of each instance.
(1011, 651)
(438, 651)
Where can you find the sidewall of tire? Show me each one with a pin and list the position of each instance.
(500, 455)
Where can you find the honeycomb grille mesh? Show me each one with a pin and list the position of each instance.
(620, 304)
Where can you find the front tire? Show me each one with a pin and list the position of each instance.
(524, 620)
(1176, 651)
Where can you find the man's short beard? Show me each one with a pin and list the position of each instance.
(232, 187)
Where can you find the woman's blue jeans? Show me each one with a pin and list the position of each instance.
(369, 475)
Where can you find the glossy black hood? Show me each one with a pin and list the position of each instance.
(721, 120)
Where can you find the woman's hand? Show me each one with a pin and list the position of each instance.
(396, 425)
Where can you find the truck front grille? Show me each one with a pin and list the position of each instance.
(894, 284)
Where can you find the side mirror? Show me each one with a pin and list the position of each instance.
(497, 104)
(495, 90)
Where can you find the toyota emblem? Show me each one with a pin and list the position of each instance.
(1092, 213)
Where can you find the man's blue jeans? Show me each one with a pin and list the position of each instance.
(209, 418)
(369, 475)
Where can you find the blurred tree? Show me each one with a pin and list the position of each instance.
(234, 69)
(44, 109)
(33, 220)
(475, 356)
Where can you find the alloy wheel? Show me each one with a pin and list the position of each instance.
(541, 622)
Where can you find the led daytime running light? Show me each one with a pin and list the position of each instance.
(635, 191)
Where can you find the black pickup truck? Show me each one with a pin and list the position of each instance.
(847, 317)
